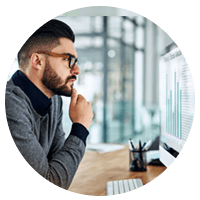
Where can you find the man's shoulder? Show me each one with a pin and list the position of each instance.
(13, 90)
(15, 99)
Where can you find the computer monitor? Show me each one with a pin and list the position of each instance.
(176, 103)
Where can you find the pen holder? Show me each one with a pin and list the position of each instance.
(137, 161)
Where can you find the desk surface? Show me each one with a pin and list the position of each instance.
(96, 169)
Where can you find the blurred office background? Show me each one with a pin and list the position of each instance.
(118, 55)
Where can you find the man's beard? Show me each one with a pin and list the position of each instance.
(52, 81)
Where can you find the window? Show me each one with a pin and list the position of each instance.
(111, 54)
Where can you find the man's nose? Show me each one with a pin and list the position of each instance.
(75, 70)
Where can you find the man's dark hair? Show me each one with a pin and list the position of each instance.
(44, 39)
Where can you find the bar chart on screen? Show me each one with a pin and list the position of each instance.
(174, 108)
(178, 97)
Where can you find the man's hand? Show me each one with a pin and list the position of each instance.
(80, 111)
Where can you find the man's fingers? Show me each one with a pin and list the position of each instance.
(80, 110)
(74, 96)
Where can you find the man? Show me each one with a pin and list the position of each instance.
(48, 68)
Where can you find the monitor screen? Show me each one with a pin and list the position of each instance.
(176, 102)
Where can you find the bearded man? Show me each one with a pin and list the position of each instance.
(47, 69)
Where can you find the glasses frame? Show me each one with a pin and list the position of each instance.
(66, 56)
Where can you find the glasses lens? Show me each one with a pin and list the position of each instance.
(73, 61)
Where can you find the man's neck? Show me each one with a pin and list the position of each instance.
(35, 78)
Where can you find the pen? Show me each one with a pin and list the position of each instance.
(140, 146)
(140, 155)
(147, 145)
(131, 146)
(143, 145)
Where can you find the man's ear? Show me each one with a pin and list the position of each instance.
(37, 61)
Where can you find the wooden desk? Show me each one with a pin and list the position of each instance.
(96, 169)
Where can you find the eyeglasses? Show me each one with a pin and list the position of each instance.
(67, 56)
